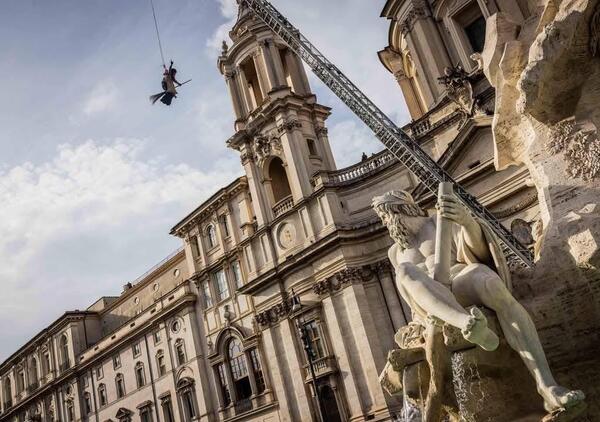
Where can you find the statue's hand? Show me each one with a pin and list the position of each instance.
(452, 209)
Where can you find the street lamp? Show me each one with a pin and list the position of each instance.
(301, 325)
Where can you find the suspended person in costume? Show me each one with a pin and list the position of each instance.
(168, 84)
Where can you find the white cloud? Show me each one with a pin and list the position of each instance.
(103, 97)
(81, 224)
(229, 8)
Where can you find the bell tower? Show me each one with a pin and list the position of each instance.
(280, 129)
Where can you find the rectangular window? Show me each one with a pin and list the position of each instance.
(167, 410)
(221, 285)
(157, 337)
(315, 339)
(206, 294)
(195, 246)
(99, 373)
(236, 269)
(116, 361)
(188, 405)
(47, 366)
(223, 383)
(225, 226)
(145, 415)
(257, 369)
(137, 350)
(180, 353)
(162, 368)
(85, 381)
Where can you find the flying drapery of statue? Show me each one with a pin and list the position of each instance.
(478, 276)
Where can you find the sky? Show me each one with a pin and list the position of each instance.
(92, 177)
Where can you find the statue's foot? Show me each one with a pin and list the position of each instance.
(557, 397)
(477, 332)
(573, 405)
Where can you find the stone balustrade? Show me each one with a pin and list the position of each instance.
(283, 206)
(359, 170)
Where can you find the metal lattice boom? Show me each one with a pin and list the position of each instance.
(404, 148)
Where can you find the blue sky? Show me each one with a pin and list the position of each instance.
(92, 177)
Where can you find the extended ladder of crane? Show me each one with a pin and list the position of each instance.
(404, 148)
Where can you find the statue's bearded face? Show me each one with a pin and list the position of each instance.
(398, 211)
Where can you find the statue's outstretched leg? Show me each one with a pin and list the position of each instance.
(438, 301)
(479, 285)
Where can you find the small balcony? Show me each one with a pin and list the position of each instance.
(322, 366)
(283, 206)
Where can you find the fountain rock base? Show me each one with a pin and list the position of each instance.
(480, 386)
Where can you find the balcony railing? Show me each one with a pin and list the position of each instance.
(322, 366)
(352, 173)
(243, 406)
(284, 205)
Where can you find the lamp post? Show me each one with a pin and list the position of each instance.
(296, 306)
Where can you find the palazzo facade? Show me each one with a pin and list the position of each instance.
(211, 333)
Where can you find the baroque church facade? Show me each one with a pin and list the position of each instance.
(211, 333)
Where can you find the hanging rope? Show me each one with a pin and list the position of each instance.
(162, 56)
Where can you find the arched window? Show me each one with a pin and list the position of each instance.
(161, 363)
(102, 395)
(185, 390)
(120, 386)
(279, 180)
(87, 404)
(211, 236)
(180, 352)
(140, 375)
(239, 370)
(64, 352)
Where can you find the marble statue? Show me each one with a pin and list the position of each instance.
(478, 275)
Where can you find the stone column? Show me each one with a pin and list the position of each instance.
(261, 73)
(335, 321)
(250, 102)
(292, 67)
(278, 379)
(267, 64)
(277, 64)
(234, 95)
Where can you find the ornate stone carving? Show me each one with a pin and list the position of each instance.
(582, 150)
(274, 314)
(289, 125)
(265, 147)
(418, 11)
(339, 280)
(595, 32)
(321, 131)
(246, 157)
(459, 88)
